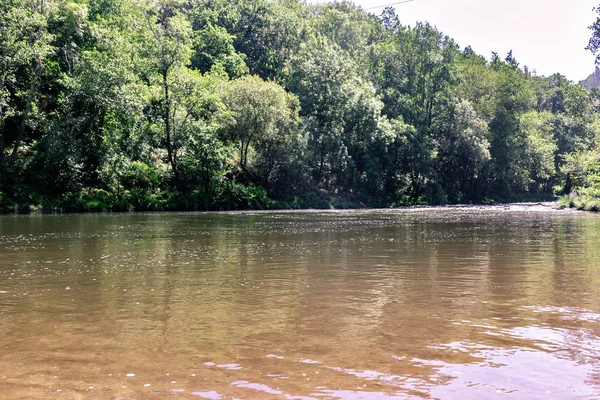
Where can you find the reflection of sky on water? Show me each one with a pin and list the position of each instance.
(520, 373)
(556, 363)
(212, 395)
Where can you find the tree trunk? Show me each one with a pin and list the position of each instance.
(167, 111)
(244, 154)
(2, 137)
(1, 150)
(321, 161)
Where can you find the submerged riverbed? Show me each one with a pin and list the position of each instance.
(452, 303)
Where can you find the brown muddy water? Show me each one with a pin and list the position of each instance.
(457, 303)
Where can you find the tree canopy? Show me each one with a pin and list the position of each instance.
(213, 104)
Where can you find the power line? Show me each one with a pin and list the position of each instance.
(389, 5)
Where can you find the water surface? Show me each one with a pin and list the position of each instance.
(467, 303)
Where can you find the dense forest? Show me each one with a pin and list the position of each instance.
(215, 104)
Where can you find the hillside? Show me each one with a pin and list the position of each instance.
(592, 81)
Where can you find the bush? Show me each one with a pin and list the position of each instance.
(584, 203)
(564, 202)
(435, 195)
(148, 200)
(140, 175)
(280, 205)
(592, 205)
(7, 205)
(88, 200)
(313, 200)
(235, 196)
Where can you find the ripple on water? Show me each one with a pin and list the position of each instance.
(212, 395)
(230, 366)
(372, 292)
(361, 395)
(520, 372)
(567, 313)
(309, 361)
(256, 386)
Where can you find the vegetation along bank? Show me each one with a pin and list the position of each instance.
(255, 104)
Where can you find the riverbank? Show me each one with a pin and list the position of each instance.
(547, 206)
(582, 203)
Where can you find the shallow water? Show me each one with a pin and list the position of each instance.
(467, 303)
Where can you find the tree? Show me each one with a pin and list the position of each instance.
(198, 117)
(508, 173)
(149, 104)
(341, 112)
(415, 71)
(97, 126)
(462, 152)
(170, 50)
(214, 45)
(347, 26)
(594, 42)
(265, 128)
(25, 45)
(267, 33)
(539, 149)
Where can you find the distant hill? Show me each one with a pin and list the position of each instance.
(592, 81)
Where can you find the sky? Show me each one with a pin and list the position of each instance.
(548, 36)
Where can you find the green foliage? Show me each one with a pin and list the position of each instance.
(312, 200)
(540, 147)
(234, 196)
(463, 153)
(583, 203)
(583, 171)
(592, 205)
(265, 131)
(342, 115)
(213, 45)
(148, 199)
(7, 204)
(116, 105)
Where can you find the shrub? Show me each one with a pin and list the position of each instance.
(592, 205)
(235, 196)
(7, 205)
(564, 202)
(585, 203)
(148, 200)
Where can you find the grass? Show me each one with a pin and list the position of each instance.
(584, 203)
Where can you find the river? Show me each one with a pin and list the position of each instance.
(442, 303)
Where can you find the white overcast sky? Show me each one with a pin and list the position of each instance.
(548, 36)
